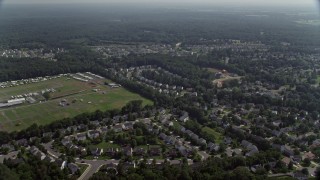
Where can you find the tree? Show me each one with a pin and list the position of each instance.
(306, 162)
(134, 143)
(290, 166)
(46, 95)
(222, 147)
(135, 176)
(6, 173)
(318, 173)
(100, 176)
(184, 175)
(139, 132)
(242, 173)
(281, 167)
(305, 171)
(261, 171)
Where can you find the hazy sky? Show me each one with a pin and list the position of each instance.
(256, 2)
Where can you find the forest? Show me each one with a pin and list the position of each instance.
(56, 26)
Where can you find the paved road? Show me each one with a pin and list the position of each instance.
(312, 170)
(280, 174)
(94, 166)
(85, 173)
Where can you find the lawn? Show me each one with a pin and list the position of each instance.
(318, 79)
(176, 125)
(105, 145)
(6, 93)
(217, 135)
(213, 70)
(82, 167)
(79, 95)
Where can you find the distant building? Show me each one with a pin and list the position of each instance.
(184, 117)
(114, 85)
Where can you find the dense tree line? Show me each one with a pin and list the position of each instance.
(214, 168)
(93, 25)
(31, 167)
(77, 59)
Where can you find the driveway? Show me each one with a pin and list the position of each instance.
(204, 155)
(11, 155)
(51, 152)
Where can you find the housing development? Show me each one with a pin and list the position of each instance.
(160, 136)
(117, 92)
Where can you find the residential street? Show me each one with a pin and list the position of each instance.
(312, 170)
(94, 166)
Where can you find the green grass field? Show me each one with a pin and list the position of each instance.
(105, 145)
(83, 99)
(218, 136)
(83, 167)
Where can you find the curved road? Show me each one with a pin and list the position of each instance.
(93, 165)
(280, 175)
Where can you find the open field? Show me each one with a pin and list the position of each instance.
(218, 136)
(213, 70)
(82, 167)
(309, 22)
(226, 75)
(227, 78)
(105, 145)
(80, 97)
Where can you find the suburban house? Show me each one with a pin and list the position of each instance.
(36, 152)
(184, 117)
(252, 149)
(73, 167)
(213, 147)
(81, 137)
(128, 126)
(22, 142)
(111, 151)
(104, 129)
(127, 151)
(139, 151)
(309, 155)
(117, 128)
(93, 134)
(286, 150)
(286, 161)
(202, 141)
(96, 151)
(296, 159)
(155, 151)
